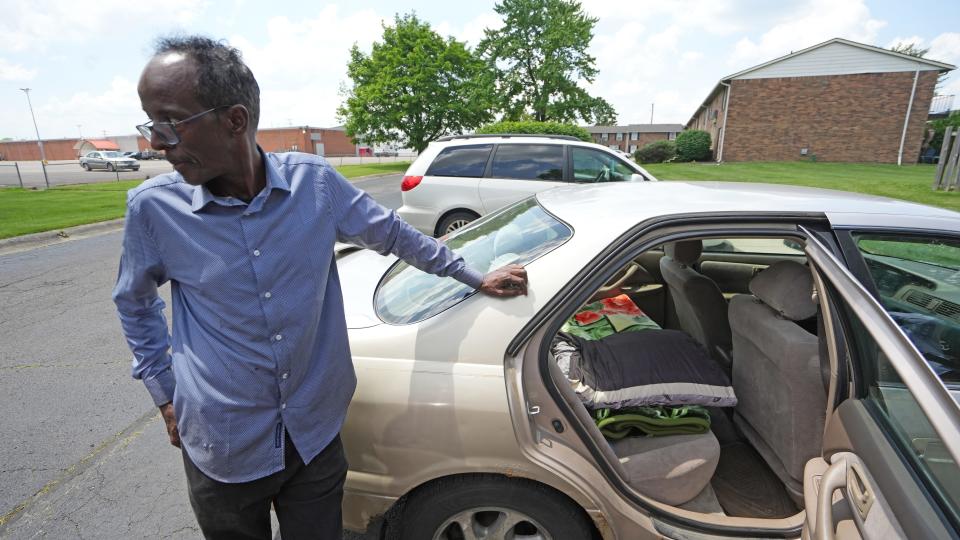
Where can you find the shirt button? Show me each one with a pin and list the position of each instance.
(267, 294)
(278, 337)
(285, 375)
(256, 253)
(283, 405)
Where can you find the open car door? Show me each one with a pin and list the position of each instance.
(892, 443)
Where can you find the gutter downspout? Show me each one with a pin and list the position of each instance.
(723, 128)
(906, 120)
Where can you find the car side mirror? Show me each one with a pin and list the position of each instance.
(637, 177)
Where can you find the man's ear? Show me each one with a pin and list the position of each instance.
(239, 119)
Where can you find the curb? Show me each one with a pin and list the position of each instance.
(58, 236)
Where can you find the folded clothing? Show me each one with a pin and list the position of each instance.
(609, 316)
(652, 367)
(656, 421)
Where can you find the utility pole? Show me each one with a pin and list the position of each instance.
(80, 131)
(43, 155)
(651, 113)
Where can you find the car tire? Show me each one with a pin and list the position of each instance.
(85, 167)
(136, 168)
(110, 167)
(493, 507)
(454, 221)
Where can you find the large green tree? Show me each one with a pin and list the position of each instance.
(540, 55)
(414, 87)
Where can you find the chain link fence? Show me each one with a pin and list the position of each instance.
(10, 175)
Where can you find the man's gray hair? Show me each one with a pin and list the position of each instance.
(222, 77)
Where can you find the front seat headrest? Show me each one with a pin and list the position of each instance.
(685, 252)
(787, 287)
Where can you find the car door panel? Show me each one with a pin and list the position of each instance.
(874, 486)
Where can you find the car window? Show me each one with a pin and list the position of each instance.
(112, 154)
(463, 161)
(901, 418)
(528, 162)
(754, 246)
(515, 235)
(918, 281)
(590, 165)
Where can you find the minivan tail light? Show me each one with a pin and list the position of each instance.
(410, 182)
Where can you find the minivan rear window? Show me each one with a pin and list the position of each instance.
(528, 162)
(466, 161)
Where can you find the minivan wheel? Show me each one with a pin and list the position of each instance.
(489, 508)
(454, 221)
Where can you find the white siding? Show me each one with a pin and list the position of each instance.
(836, 59)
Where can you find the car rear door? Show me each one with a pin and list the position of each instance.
(891, 446)
(519, 170)
(452, 179)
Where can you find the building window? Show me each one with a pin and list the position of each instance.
(672, 135)
(633, 148)
(634, 136)
(619, 136)
(607, 136)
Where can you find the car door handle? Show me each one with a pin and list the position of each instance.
(834, 478)
(859, 490)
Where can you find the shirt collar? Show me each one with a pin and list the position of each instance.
(202, 196)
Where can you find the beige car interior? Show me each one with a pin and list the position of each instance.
(751, 462)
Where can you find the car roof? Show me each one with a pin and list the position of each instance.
(512, 139)
(611, 209)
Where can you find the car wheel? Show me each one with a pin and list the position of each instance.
(110, 167)
(488, 508)
(454, 221)
(85, 167)
(136, 168)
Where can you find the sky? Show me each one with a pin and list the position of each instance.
(82, 61)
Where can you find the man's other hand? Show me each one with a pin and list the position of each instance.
(510, 280)
(170, 419)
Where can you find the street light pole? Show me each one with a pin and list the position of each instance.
(43, 155)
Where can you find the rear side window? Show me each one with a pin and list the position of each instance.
(515, 235)
(467, 161)
(528, 162)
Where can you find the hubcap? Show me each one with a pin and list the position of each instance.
(491, 523)
(456, 224)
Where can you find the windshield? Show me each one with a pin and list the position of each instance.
(518, 234)
(112, 154)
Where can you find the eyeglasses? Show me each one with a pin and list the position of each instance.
(167, 130)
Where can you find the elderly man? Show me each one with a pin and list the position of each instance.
(254, 381)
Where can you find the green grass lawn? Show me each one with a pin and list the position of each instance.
(24, 211)
(910, 182)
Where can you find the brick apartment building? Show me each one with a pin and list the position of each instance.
(631, 137)
(835, 101)
(320, 141)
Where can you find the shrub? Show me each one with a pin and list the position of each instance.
(536, 128)
(656, 152)
(940, 127)
(693, 145)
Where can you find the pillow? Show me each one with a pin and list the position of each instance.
(649, 367)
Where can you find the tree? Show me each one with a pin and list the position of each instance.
(414, 87)
(915, 50)
(540, 56)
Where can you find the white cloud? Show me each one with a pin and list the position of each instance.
(15, 72)
(37, 25)
(916, 40)
(303, 62)
(116, 108)
(946, 48)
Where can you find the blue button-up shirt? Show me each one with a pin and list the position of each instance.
(259, 341)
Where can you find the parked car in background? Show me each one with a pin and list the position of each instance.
(108, 160)
(457, 179)
(132, 155)
(470, 421)
(385, 152)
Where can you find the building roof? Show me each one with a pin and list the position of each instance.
(98, 144)
(638, 128)
(836, 56)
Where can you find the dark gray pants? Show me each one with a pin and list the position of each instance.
(307, 499)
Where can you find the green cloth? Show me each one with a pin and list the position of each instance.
(655, 421)
(608, 323)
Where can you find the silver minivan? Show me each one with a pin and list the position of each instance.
(459, 178)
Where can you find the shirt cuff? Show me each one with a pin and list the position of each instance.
(161, 387)
(470, 277)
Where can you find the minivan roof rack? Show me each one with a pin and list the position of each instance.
(508, 136)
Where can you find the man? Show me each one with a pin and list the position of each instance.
(255, 380)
